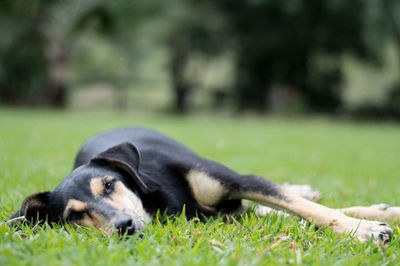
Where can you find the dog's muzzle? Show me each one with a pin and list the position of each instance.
(125, 224)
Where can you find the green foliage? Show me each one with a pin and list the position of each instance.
(23, 67)
(297, 44)
(350, 163)
(291, 47)
(35, 53)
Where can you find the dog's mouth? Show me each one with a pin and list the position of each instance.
(123, 224)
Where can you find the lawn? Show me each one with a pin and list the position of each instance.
(350, 163)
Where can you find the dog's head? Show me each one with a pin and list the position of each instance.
(103, 193)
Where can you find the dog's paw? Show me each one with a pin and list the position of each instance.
(372, 229)
(365, 230)
(260, 210)
(304, 191)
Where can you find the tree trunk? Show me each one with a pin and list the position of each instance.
(56, 89)
(178, 62)
(388, 7)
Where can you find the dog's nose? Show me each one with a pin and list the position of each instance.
(125, 224)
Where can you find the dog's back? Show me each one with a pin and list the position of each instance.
(148, 141)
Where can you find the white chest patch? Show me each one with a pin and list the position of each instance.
(206, 190)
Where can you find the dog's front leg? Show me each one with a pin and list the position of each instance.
(378, 212)
(267, 193)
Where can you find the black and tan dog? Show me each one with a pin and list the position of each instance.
(124, 176)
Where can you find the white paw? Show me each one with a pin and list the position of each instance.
(365, 230)
(304, 191)
(264, 211)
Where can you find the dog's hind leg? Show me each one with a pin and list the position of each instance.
(213, 183)
(269, 194)
(304, 191)
(382, 212)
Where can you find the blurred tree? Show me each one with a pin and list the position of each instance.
(34, 55)
(383, 26)
(390, 9)
(393, 100)
(23, 61)
(194, 27)
(39, 34)
(294, 43)
(294, 46)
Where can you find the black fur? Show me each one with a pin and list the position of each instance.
(151, 165)
(164, 165)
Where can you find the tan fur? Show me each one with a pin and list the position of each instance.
(74, 205)
(206, 190)
(122, 199)
(97, 220)
(311, 211)
(318, 214)
(97, 185)
(127, 202)
(376, 212)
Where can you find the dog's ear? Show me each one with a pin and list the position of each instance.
(125, 157)
(35, 208)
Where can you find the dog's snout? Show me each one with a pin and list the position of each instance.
(124, 224)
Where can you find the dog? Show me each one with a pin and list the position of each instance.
(123, 177)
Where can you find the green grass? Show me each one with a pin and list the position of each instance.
(350, 163)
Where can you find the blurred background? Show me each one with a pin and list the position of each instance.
(335, 57)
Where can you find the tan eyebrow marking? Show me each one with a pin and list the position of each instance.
(97, 184)
(74, 205)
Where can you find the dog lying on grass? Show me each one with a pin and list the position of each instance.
(122, 177)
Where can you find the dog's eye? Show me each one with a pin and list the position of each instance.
(108, 186)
